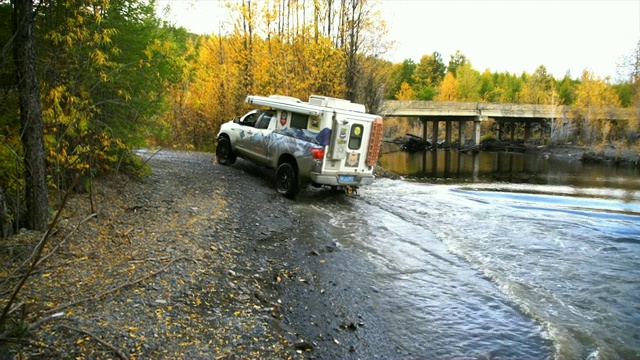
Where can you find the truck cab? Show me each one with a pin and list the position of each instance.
(325, 141)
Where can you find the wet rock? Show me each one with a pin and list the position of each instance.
(303, 346)
(349, 326)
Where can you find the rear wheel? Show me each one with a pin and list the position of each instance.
(287, 182)
(224, 153)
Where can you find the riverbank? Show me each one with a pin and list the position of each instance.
(197, 261)
(609, 155)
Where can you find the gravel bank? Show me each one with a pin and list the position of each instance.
(197, 261)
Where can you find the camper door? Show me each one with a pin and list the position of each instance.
(348, 144)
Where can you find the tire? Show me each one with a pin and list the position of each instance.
(224, 153)
(287, 182)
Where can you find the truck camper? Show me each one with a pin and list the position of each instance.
(325, 141)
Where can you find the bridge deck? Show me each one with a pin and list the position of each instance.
(445, 109)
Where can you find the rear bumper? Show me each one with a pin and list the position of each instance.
(334, 180)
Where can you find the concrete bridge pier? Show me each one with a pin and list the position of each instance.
(476, 128)
(448, 136)
(527, 131)
(461, 126)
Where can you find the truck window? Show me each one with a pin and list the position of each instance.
(250, 120)
(264, 120)
(299, 121)
(355, 138)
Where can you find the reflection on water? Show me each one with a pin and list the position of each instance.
(454, 166)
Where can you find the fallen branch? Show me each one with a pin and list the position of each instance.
(112, 290)
(36, 257)
(119, 353)
(138, 261)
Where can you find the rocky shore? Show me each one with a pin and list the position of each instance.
(197, 261)
(609, 155)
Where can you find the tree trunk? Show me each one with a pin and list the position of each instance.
(5, 224)
(30, 116)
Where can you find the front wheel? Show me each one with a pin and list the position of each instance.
(224, 153)
(287, 182)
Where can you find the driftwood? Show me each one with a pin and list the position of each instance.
(413, 143)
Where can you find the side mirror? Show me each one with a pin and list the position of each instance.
(236, 119)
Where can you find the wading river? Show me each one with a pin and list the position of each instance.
(497, 255)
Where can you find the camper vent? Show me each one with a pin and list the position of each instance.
(334, 103)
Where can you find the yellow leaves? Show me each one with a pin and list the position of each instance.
(405, 92)
(124, 94)
(98, 57)
(448, 88)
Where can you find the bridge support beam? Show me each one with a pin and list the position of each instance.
(527, 131)
(476, 129)
(461, 125)
(424, 128)
(434, 134)
(447, 134)
(513, 130)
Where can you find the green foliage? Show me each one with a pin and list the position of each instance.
(11, 166)
(625, 93)
(455, 62)
(428, 76)
(104, 67)
(400, 74)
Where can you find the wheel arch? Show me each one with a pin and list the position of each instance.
(288, 158)
(223, 136)
(227, 137)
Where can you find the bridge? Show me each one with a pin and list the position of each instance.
(477, 112)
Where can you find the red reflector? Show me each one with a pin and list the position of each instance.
(317, 154)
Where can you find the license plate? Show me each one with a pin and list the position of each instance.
(346, 178)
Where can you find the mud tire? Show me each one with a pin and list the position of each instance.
(224, 153)
(287, 182)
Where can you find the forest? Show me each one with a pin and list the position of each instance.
(111, 76)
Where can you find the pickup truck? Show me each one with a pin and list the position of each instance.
(322, 142)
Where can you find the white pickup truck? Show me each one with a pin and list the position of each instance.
(325, 141)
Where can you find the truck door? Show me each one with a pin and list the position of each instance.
(259, 137)
(246, 131)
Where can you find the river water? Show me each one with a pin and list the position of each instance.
(497, 255)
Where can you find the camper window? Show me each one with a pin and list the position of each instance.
(299, 121)
(355, 138)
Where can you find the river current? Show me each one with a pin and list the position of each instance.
(483, 260)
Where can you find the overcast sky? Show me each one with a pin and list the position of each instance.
(502, 36)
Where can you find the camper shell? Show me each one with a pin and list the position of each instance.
(325, 141)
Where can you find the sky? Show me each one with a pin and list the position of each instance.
(512, 36)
